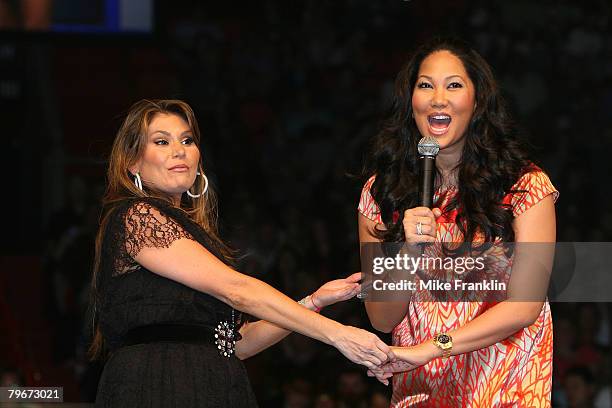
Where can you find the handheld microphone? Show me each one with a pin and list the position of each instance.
(428, 150)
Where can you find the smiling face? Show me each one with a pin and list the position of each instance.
(170, 159)
(443, 99)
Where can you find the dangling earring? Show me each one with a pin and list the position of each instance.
(203, 191)
(138, 181)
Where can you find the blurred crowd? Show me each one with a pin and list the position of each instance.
(288, 95)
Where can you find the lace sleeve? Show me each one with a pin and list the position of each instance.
(146, 226)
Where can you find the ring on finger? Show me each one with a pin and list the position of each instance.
(419, 228)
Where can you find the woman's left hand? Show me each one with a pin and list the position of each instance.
(336, 291)
(407, 358)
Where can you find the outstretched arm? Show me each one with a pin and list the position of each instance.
(260, 335)
(186, 261)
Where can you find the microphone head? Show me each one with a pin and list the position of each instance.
(428, 146)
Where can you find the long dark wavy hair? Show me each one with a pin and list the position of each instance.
(493, 157)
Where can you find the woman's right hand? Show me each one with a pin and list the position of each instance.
(424, 217)
(362, 347)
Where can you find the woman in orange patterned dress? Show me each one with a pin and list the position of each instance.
(459, 353)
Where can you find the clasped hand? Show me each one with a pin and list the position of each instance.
(366, 348)
(358, 345)
(406, 359)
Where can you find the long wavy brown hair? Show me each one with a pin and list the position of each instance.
(128, 148)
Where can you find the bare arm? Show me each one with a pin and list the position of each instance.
(384, 316)
(260, 335)
(536, 225)
(188, 262)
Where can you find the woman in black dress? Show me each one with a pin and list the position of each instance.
(167, 302)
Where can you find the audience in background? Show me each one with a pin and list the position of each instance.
(291, 98)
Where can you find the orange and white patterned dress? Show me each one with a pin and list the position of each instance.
(516, 372)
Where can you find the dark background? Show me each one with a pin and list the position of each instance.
(287, 95)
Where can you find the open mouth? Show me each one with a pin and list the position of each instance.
(439, 123)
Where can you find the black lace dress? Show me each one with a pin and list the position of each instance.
(161, 369)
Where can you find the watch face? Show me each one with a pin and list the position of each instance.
(443, 338)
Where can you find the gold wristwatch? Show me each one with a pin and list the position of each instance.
(444, 342)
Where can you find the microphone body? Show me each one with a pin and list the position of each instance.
(427, 165)
(428, 150)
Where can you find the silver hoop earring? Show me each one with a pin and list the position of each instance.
(203, 191)
(138, 181)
